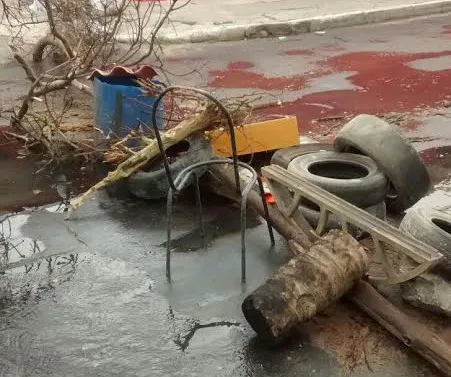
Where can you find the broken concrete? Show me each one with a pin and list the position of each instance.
(429, 291)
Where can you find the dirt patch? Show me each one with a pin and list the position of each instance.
(359, 343)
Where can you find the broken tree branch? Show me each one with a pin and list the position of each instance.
(187, 127)
(48, 40)
(26, 67)
(82, 87)
(55, 31)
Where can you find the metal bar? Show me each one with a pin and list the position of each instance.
(168, 243)
(225, 161)
(223, 110)
(243, 237)
(185, 175)
(199, 204)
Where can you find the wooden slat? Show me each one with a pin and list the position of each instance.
(420, 252)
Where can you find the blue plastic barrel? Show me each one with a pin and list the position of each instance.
(119, 102)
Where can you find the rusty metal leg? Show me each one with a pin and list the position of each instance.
(243, 238)
(199, 204)
(265, 207)
(168, 242)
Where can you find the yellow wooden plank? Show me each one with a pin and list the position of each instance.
(257, 137)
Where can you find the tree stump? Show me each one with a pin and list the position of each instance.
(306, 285)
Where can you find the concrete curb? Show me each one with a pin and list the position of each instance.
(300, 26)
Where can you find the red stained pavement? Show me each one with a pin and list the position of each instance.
(385, 81)
(232, 78)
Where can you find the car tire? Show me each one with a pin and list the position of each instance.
(116, 190)
(284, 156)
(395, 156)
(352, 177)
(153, 183)
(432, 227)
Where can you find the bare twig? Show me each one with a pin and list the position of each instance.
(84, 37)
(155, 33)
(26, 67)
(55, 31)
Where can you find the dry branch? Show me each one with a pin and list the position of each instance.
(55, 32)
(87, 37)
(48, 40)
(187, 127)
(82, 87)
(26, 67)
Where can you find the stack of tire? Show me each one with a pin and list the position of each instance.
(369, 165)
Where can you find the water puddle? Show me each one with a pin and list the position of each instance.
(14, 245)
(226, 223)
(26, 265)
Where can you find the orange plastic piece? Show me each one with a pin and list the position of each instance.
(269, 198)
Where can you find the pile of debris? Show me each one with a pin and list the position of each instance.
(329, 201)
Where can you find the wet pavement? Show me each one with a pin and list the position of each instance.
(108, 310)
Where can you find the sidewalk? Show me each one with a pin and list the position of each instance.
(221, 20)
(230, 20)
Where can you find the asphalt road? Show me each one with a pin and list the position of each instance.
(400, 67)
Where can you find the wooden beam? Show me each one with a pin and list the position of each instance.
(408, 330)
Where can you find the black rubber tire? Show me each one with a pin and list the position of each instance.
(358, 181)
(153, 184)
(117, 190)
(421, 224)
(312, 216)
(395, 156)
(284, 156)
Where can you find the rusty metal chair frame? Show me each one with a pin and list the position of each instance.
(289, 190)
(189, 175)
